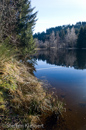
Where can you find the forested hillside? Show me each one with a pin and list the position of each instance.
(61, 37)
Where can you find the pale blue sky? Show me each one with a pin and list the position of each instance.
(52, 13)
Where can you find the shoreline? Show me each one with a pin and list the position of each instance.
(23, 97)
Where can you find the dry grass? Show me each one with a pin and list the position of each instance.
(22, 96)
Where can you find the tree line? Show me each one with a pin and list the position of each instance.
(66, 36)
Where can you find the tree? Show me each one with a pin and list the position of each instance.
(26, 22)
(84, 38)
(81, 41)
(17, 22)
(67, 37)
(8, 18)
(70, 37)
(80, 38)
(62, 35)
(52, 39)
(73, 37)
(57, 40)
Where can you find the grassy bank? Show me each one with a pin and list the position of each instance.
(23, 100)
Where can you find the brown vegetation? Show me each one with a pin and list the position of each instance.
(22, 98)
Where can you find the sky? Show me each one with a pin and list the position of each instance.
(52, 13)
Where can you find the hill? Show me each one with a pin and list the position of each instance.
(61, 29)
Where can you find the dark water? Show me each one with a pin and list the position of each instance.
(65, 70)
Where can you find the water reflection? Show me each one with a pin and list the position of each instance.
(65, 70)
(61, 57)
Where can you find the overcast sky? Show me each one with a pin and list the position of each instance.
(52, 13)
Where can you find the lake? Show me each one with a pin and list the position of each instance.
(65, 70)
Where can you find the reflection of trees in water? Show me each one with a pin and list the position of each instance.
(72, 58)
(81, 59)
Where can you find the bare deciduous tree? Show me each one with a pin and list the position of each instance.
(9, 13)
(70, 37)
(52, 40)
(57, 40)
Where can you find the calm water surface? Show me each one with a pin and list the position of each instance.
(65, 70)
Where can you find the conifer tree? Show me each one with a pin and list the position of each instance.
(17, 21)
(80, 38)
(84, 38)
(25, 25)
